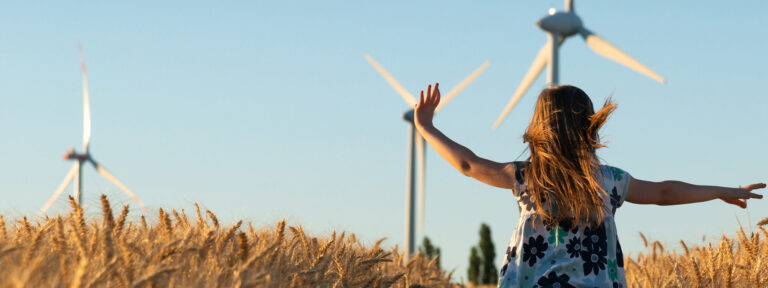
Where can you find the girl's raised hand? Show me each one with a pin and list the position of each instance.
(734, 196)
(425, 109)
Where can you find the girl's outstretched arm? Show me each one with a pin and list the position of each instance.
(676, 192)
(492, 173)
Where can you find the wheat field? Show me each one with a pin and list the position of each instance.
(72, 251)
(733, 262)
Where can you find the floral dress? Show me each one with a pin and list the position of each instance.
(566, 254)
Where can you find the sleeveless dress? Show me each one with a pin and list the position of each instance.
(566, 254)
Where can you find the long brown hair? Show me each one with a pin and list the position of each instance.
(563, 172)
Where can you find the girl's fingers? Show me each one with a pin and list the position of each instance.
(748, 196)
(755, 186)
(747, 191)
(737, 202)
(432, 97)
(435, 93)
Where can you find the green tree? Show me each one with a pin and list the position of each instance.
(481, 268)
(429, 250)
(488, 269)
(474, 266)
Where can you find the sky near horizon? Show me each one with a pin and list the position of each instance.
(261, 110)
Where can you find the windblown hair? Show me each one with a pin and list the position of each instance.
(564, 170)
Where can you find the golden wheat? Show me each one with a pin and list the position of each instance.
(703, 266)
(73, 251)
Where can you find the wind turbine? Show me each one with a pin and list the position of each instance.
(417, 146)
(559, 26)
(76, 172)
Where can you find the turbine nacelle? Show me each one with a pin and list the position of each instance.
(562, 23)
(72, 155)
(408, 116)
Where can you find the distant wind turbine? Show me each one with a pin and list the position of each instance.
(417, 146)
(76, 172)
(559, 26)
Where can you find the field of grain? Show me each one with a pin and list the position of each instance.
(739, 261)
(176, 251)
(72, 251)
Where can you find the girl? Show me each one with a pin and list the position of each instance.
(566, 235)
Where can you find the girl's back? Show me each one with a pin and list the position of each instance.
(565, 254)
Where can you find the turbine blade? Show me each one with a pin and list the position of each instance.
(103, 171)
(538, 65)
(86, 105)
(400, 90)
(607, 50)
(70, 175)
(447, 98)
(421, 156)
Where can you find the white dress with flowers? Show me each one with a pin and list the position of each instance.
(565, 255)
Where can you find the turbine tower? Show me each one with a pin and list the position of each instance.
(559, 26)
(76, 172)
(416, 149)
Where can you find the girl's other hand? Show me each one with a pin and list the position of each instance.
(734, 195)
(425, 109)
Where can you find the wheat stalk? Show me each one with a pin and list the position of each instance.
(645, 241)
(214, 219)
(3, 234)
(165, 223)
(121, 221)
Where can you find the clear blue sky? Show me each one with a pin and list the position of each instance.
(264, 110)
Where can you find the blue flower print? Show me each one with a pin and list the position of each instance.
(552, 280)
(511, 253)
(534, 250)
(525, 198)
(567, 224)
(594, 259)
(619, 255)
(573, 247)
(594, 237)
(519, 175)
(614, 200)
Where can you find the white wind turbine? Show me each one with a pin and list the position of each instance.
(76, 172)
(559, 26)
(416, 147)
